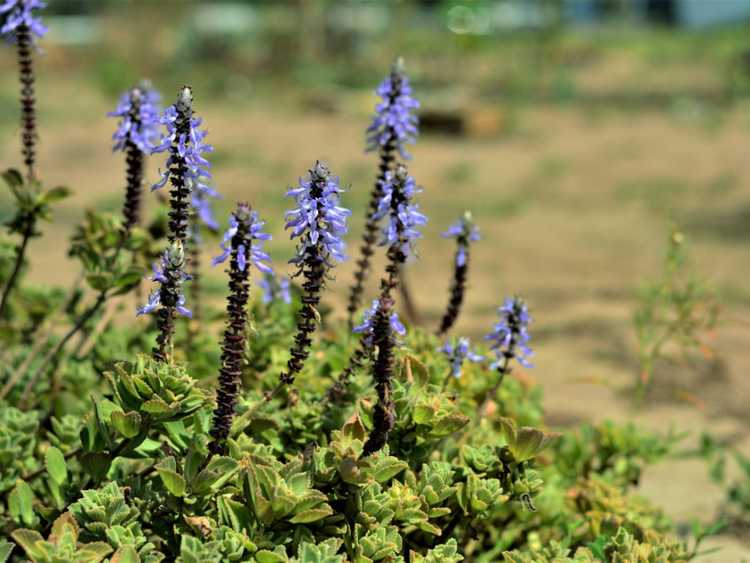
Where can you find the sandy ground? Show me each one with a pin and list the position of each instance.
(574, 211)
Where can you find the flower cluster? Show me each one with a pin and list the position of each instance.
(318, 218)
(15, 14)
(138, 111)
(366, 327)
(275, 288)
(510, 335)
(184, 139)
(397, 203)
(255, 233)
(458, 352)
(464, 231)
(171, 276)
(395, 121)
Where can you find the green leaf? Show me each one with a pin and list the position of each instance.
(56, 194)
(126, 554)
(56, 467)
(525, 442)
(156, 406)
(28, 540)
(278, 555)
(127, 424)
(21, 503)
(312, 515)
(5, 550)
(13, 178)
(173, 481)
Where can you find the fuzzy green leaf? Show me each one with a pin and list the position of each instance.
(56, 467)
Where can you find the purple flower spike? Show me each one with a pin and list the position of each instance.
(458, 352)
(510, 335)
(254, 233)
(275, 288)
(17, 13)
(138, 111)
(395, 122)
(184, 140)
(366, 328)
(399, 190)
(464, 231)
(318, 218)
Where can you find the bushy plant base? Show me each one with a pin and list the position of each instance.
(132, 479)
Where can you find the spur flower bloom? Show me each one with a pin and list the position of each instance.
(403, 216)
(464, 231)
(254, 233)
(318, 221)
(138, 110)
(275, 288)
(184, 140)
(458, 352)
(367, 326)
(510, 336)
(395, 122)
(16, 14)
(170, 277)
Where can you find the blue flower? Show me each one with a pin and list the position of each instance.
(318, 221)
(170, 275)
(368, 320)
(15, 13)
(138, 111)
(255, 237)
(459, 352)
(184, 137)
(403, 214)
(510, 335)
(464, 231)
(394, 122)
(275, 288)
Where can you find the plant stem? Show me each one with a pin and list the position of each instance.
(20, 253)
(371, 225)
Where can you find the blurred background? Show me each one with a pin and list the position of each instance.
(581, 133)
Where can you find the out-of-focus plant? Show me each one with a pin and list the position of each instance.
(680, 310)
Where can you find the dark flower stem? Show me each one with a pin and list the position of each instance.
(314, 271)
(336, 391)
(387, 157)
(235, 335)
(134, 158)
(458, 288)
(179, 222)
(24, 44)
(384, 417)
(194, 264)
(179, 195)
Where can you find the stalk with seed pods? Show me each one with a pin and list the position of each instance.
(242, 245)
(465, 232)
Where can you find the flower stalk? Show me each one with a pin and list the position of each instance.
(318, 223)
(393, 125)
(509, 340)
(383, 415)
(19, 26)
(465, 232)
(135, 135)
(242, 245)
